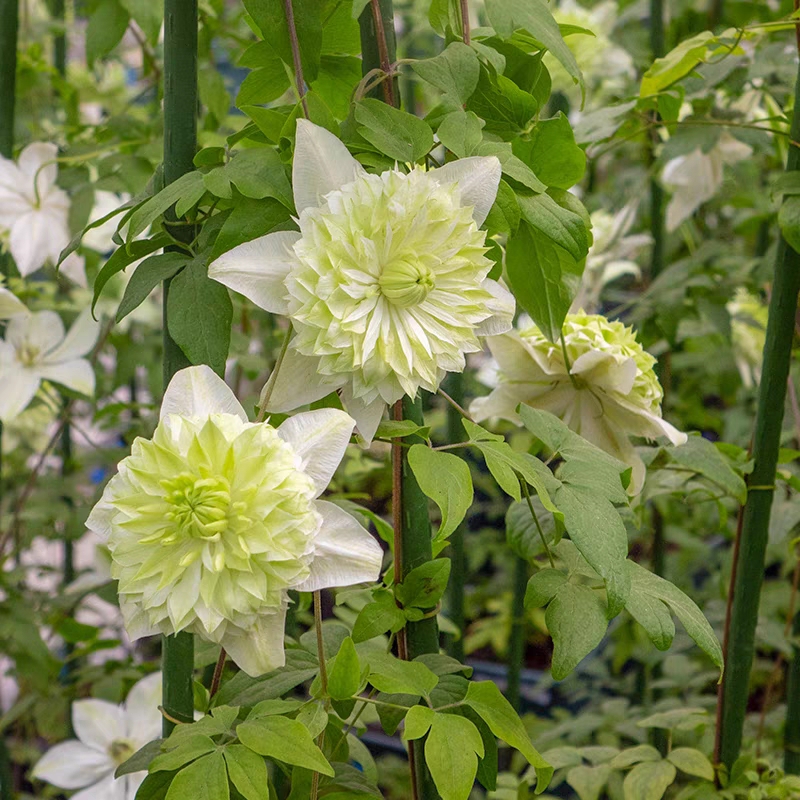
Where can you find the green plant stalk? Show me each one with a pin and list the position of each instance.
(518, 637)
(766, 441)
(379, 47)
(180, 143)
(9, 24)
(458, 561)
(60, 41)
(791, 735)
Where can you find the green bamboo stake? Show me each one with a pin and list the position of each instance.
(791, 735)
(518, 638)
(60, 41)
(180, 144)
(749, 573)
(9, 23)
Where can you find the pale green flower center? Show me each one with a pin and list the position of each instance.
(28, 354)
(199, 506)
(120, 750)
(406, 283)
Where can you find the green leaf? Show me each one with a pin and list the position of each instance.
(155, 786)
(653, 615)
(107, 26)
(344, 679)
(543, 587)
(506, 109)
(692, 762)
(576, 619)
(417, 722)
(513, 167)
(485, 699)
(203, 337)
(396, 133)
(460, 132)
(249, 220)
(393, 676)
(537, 19)
(338, 75)
(213, 94)
(451, 753)
(398, 428)
(187, 185)
(263, 85)
(247, 771)
(789, 221)
(189, 749)
(552, 153)
(141, 759)
(648, 780)
(588, 782)
(703, 457)
(424, 586)
(678, 63)
(544, 278)
(205, 779)
(682, 719)
(454, 72)
(258, 173)
(149, 274)
(147, 15)
(284, 740)
(561, 226)
(378, 617)
(445, 479)
(691, 617)
(635, 755)
(444, 15)
(522, 533)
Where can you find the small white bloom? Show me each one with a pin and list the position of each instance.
(695, 178)
(385, 284)
(748, 331)
(108, 735)
(100, 238)
(33, 210)
(10, 304)
(214, 520)
(610, 256)
(610, 393)
(36, 349)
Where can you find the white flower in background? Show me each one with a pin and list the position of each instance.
(10, 304)
(610, 393)
(695, 178)
(748, 332)
(211, 522)
(108, 734)
(36, 349)
(385, 284)
(33, 210)
(610, 256)
(607, 67)
(100, 238)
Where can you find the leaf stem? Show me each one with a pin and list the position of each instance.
(218, 670)
(528, 500)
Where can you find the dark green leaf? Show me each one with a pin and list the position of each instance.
(344, 678)
(378, 617)
(424, 586)
(399, 135)
(107, 26)
(149, 274)
(454, 71)
(552, 153)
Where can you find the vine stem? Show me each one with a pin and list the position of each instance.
(180, 144)
(746, 587)
(465, 30)
(288, 9)
(218, 669)
(323, 680)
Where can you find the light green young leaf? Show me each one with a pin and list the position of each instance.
(648, 780)
(344, 678)
(247, 771)
(191, 748)
(396, 133)
(576, 619)
(460, 132)
(588, 782)
(378, 617)
(451, 753)
(205, 779)
(454, 71)
(285, 740)
(417, 722)
(393, 676)
(485, 698)
(424, 586)
(446, 479)
(692, 762)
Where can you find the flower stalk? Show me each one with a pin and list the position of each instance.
(180, 141)
(749, 574)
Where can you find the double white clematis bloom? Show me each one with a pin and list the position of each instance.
(33, 210)
(36, 349)
(211, 522)
(385, 283)
(609, 393)
(108, 735)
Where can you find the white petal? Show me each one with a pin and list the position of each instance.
(97, 723)
(478, 178)
(503, 305)
(99, 520)
(74, 267)
(136, 622)
(41, 331)
(320, 438)
(107, 789)
(80, 339)
(19, 386)
(344, 552)
(321, 164)
(259, 649)
(142, 717)
(258, 269)
(603, 370)
(72, 765)
(502, 403)
(198, 392)
(38, 160)
(10, 305)
(367, 415)
(297, 383)
(29, 241)
(77, 375)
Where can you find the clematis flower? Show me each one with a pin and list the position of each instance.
(108, 734)
(609, 393)
(696, 177)
(748, 332)
(10, 304)
(385, 283)
(33, 210)
(36, 349)
(211, 522)
(100, 238)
